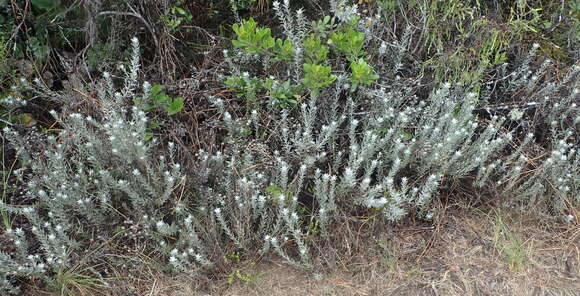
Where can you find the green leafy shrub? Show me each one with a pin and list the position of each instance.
(258, 40)
(286, 93)
(297, 49)
(315, 51)
(252, 38)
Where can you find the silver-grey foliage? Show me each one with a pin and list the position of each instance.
(286, 173)
(98, 174)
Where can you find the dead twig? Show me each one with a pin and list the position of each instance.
(133, 14)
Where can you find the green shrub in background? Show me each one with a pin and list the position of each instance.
(176, 16)
(259, 41)
(159, 99)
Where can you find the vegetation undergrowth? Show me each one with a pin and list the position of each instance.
(359, 112)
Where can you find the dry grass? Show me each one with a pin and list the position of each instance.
(496, 253)
(465, 256)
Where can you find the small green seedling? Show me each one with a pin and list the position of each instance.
(277, 194)
(244, 278)
(159, 99)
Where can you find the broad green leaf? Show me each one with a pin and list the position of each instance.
(27, 119)
(156, 89)
(154, 124)
(274, 191)
(148, 136)
(161, 98)
(175, 106)
(284, 49)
